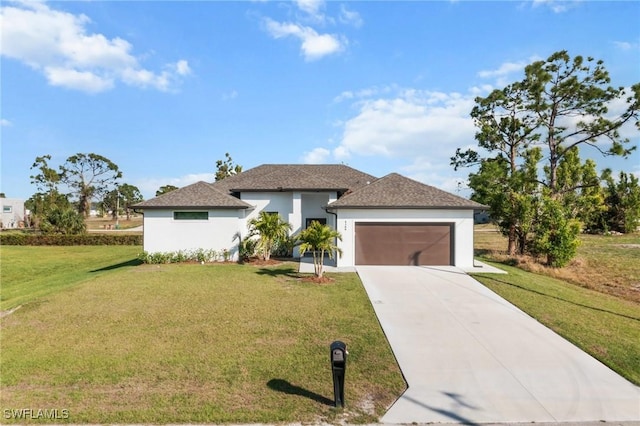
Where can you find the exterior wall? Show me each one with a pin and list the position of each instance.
(12, 210)
(462, 220)
(294, 207)
(164, 234)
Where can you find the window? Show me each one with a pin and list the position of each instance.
(190, 215)
(7, 209)
(322, 220)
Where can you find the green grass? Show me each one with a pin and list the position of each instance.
(221, 343)
(605, 326)
(606, 263)
(29, 273)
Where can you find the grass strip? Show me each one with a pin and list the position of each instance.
(604, 326)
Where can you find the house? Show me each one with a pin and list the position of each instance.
(12, 213)
(391, 220)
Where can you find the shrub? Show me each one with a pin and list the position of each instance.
(199, 255)
(20, 239)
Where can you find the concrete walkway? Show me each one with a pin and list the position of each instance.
(470, 357)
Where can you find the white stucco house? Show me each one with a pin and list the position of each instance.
(391, 220)
(13, 213)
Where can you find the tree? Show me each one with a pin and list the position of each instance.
(123, 197)
(164, 189)
(63, 220)
(560, 106)
(319, 239)
(270, 227)
(89, 176)
(570, 101)
(47, 196)
(623, 201)
(555, 233)
(226, 168)
(130, 195)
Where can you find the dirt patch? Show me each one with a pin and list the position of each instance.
(637, 246)
(318, 280)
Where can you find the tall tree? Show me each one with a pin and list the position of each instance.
(570, 100)
(506, 131)
(47, 180)
(164, 189)
(122, 198)
(130, 195)
(560, 105)
(226, 168)
(88, 176)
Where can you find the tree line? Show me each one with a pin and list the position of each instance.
(540, 193)
(65, 194)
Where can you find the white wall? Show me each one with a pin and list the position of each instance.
(14, 214)
(462, 220)
(164, 234)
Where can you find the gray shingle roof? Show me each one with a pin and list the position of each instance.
(197, 195)
(290, 177)
(397, 191)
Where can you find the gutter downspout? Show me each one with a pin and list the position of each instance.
(326, 208)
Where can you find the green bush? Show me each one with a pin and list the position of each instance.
(20, 239)
(198, 255)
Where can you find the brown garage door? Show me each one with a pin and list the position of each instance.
(404, 243)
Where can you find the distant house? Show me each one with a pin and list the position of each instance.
(391, 220)
(12, 213)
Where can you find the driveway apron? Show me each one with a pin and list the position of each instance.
(469, 356)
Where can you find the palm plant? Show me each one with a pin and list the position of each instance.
(271, 228)
(319, 239)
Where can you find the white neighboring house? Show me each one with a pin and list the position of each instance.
(12, 212)
(391, 220)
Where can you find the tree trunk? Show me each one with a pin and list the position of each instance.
(511, 247)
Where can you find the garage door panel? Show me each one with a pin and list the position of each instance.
(404, 243)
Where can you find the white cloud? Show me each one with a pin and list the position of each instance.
(5, 123)
(316, 156)
(313, 8)
(504, 69)
(412, 122)
(230, 95)
(557, 6)
(626, 45)
(314, 46)
(57, 44)
(86, 81)
(419, 128)
(350, 17)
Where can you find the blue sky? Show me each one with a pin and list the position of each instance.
(164, 89)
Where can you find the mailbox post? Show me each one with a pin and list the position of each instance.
(338, 352)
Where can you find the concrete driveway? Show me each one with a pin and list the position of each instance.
(469, 356)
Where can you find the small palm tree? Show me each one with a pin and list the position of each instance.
(319, 239)
(271, 228)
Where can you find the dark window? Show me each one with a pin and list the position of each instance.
(322, 220)
(190, 215)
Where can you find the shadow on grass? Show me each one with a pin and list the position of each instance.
(284, 386)
(279, 272)
(561, 299)
(132, 262)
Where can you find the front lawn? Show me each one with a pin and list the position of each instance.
(220, 343)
